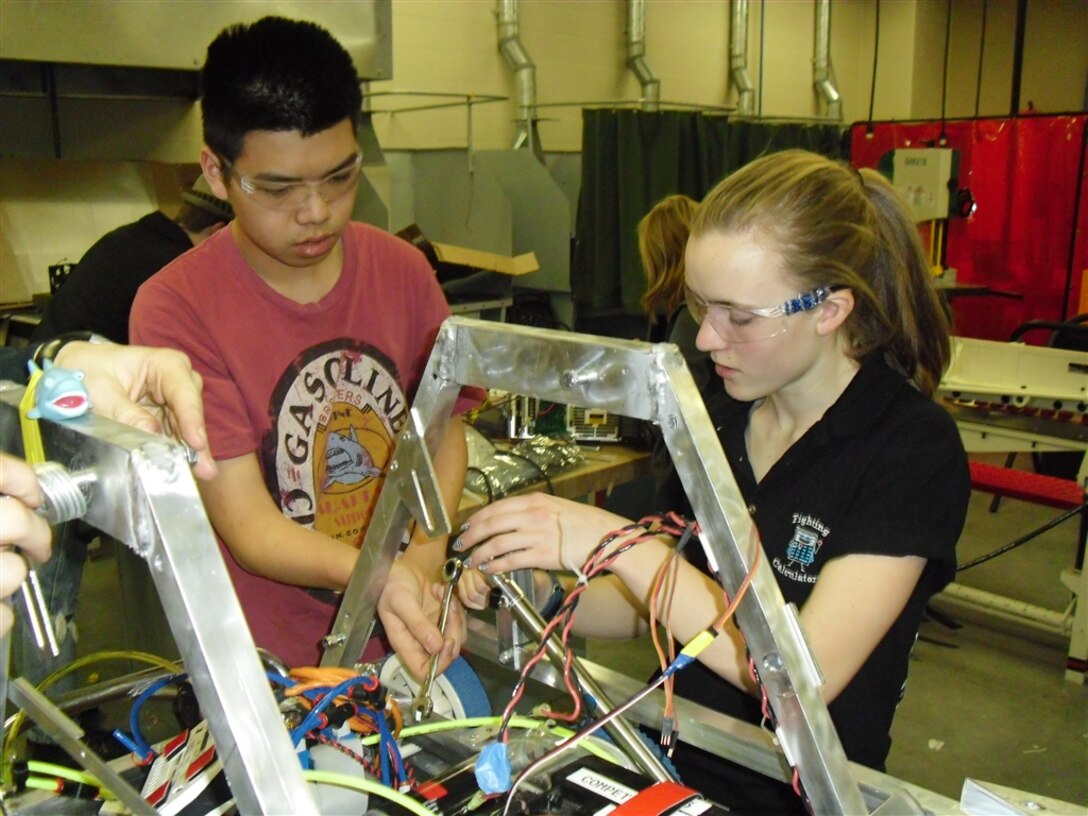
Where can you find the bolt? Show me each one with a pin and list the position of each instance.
(773, 663)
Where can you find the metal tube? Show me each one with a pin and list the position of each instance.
(1009, 608)
(524, 73)
(636, 55)
(822, 61)
(625, 735)
(738, 57)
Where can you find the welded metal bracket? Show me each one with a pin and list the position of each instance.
(410, 491)
(648, 382)
(144, 495)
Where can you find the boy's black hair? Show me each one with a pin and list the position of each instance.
(275, 74)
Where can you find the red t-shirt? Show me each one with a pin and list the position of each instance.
(317, 391)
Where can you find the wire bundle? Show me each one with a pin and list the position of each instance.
(673, 524)
(599, 560)
(335, 697)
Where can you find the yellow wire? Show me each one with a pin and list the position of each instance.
(527, 723)
(33, 451)
(96, 657)
(71, 774)
(369, 786)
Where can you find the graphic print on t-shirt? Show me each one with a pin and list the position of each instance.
(335, 413)
(808, 537)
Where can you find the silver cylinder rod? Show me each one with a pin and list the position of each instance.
(621, 730)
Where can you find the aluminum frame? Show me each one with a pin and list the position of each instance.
(641, 381)
(145, 496)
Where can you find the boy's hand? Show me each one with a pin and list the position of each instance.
(409, 607)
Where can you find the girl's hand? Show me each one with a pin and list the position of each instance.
(535, 530)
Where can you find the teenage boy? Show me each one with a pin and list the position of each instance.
(311, 332)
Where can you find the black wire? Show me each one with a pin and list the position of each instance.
(487, 482)
(981, 51)
(876, 53)
(1012, 545)
(944, 75)
(539, 469)
(689, 531)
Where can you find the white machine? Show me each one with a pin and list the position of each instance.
(1013, 397)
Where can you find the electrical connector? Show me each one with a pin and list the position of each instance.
(668, 735)
(144, 755)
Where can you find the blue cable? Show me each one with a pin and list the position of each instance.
(402, 773)
(310, 721)
(136, 743)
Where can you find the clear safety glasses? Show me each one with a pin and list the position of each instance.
(292, 195)
(735, 324)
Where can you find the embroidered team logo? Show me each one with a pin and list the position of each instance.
(802, 547)
(335, 415)
(809, 534)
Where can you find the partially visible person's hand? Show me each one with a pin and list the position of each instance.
(20, 527)
(535, 530)
(153, 389)
(409, 608)
(473, 590)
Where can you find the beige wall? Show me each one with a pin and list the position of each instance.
(450, 46)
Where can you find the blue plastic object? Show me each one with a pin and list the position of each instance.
(468, 687)
(493, 768)
(59, 393)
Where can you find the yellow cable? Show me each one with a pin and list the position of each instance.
(527, 723)
(71, 774)
(368, 786)
(17, 721)
(33, 451)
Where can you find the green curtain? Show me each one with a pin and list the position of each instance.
(631, 160)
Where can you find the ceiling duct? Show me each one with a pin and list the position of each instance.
(738, 58)
(821, 74)
(524, 76)
(636, 55)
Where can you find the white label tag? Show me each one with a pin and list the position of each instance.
(694, 808)
(602, 785)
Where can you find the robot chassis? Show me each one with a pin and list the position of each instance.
(138, 489)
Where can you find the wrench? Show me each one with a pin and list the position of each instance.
(422, 705)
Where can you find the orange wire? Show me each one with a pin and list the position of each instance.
(659, 579)
(743, 588)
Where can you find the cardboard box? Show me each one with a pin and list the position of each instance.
(472, 259)
(470, 274)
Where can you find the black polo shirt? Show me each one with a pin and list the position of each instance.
(883, 472)
(97, 296)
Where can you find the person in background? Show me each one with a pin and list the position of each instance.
(662, 238)
(154, 390)
(97, 295)
(811, 288)
(311, 332)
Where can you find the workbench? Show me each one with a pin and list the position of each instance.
(605, 466)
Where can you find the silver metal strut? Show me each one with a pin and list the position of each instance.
(144, 495)
(641, 381)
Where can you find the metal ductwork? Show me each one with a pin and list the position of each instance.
(821, 73)
(738, 58)
(524, 76)
(636, 55)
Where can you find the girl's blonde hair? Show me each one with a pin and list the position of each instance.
(837, 226)
(662, 237)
